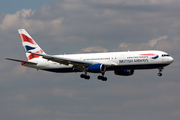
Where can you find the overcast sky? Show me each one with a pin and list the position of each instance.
(78, 26)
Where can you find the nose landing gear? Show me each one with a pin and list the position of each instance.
(160, 71)
(159, 74)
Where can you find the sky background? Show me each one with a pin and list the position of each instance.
(81, 26)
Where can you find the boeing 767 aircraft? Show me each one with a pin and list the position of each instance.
(122, 63)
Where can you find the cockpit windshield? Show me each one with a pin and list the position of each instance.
(165, 55)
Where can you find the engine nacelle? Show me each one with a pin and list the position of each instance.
(124, 72)
(97, 68)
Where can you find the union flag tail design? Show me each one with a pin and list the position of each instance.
(29, 44)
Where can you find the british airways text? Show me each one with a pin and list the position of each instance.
(133, 60)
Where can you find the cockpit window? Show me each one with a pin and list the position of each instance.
(165, 55)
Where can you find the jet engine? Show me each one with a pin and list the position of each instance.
(124, 72)
(96, 68)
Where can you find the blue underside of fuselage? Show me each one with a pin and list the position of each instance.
(121, 67)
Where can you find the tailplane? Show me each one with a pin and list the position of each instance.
(29, 45)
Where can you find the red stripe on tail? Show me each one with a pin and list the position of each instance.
(25, 38)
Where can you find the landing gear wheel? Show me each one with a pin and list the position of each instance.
(82, 75)
(99, 77)
(87, 77)
(159, 74)
(102, 78)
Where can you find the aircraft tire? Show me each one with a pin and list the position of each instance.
(82, 76)
(99, 77)
(102, 78)
(159, 74)
(87, 77)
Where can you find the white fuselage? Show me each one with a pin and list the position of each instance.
(119, 60)
(122, 63)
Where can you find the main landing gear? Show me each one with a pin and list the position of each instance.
(102, 77)
(160, 71)
(87, 77)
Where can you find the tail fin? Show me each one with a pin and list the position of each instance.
(29, 44)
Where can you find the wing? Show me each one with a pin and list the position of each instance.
(77, 64)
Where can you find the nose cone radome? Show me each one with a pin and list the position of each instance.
(170, 60)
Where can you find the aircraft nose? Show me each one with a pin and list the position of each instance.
(171, 60)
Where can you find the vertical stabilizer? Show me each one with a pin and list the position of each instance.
(29, 44)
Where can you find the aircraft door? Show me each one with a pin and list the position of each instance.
(163, 59)
(47, 63)
(122, 57)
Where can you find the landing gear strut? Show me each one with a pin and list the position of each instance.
(160, 71)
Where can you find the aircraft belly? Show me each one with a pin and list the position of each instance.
(134, 67)
(62, 70)
(118, 67)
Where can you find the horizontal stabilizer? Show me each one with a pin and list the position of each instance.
(26, 62)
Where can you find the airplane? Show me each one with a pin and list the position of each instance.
(122, 63)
